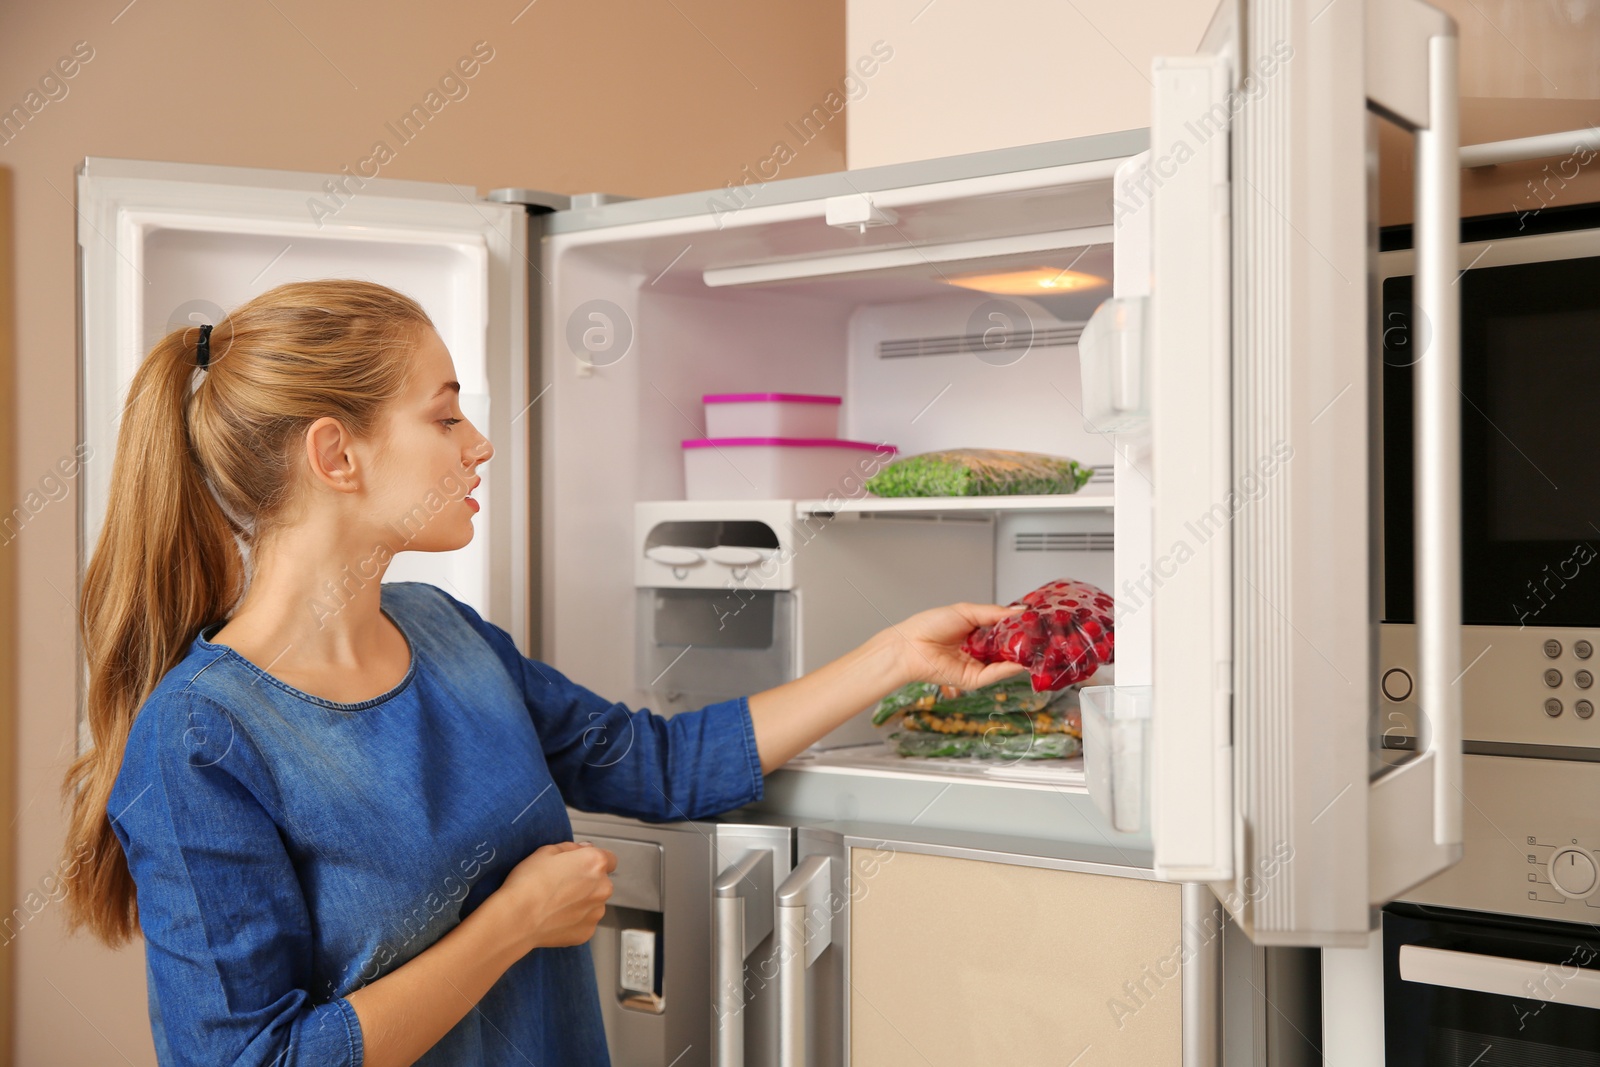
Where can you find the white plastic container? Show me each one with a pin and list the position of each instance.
(768, 468)
(771, 415)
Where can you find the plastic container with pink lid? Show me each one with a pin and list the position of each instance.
(803, 415)
(771, 468)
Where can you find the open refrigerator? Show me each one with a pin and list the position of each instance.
(1209, 359)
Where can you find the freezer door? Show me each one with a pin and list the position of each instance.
(1263, 569)
(165, 245)
(652, 948)
(1240, 342)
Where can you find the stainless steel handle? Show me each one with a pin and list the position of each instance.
(1563, 983)
(1437, 414)
(743, 913)
(807, 888)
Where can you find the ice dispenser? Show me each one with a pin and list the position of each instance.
(739, 596)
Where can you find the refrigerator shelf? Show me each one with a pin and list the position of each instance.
(877, 760)
(935, 505)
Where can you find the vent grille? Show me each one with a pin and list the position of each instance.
(1102, 474)
(1061, 541)
(907, 347)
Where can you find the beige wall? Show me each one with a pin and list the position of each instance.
(967, 77)
(629, 97)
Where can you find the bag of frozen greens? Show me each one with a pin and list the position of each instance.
(979, 472)
(1006, 720)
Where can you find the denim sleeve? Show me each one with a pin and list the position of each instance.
(226, 928)
(606, 757)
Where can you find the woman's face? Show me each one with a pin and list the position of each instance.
(427, 466)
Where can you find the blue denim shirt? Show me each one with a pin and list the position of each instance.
(288, 849)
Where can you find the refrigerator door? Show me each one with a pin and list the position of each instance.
(166, 245)
(652, 949)
(1262, 577)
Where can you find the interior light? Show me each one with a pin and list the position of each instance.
(1031, 282)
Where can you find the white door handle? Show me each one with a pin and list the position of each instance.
(1553, 983)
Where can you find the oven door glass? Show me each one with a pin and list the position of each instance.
(1462, 989)
(1530, 439)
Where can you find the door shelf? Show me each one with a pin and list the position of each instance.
(938, 505)
(879, 761)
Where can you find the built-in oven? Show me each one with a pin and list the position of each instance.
(1463, 989)
(1496, 960)
(1530, 486)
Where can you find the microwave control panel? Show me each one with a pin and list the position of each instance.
(1531, 846)
(1519, 686)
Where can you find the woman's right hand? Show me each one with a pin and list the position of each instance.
(558, 894)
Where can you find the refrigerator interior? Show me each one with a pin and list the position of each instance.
(765, 299)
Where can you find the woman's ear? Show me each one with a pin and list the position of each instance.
(331, 455)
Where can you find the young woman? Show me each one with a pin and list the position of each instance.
(336, 808)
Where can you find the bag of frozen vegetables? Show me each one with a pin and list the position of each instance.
(979, 472)
(1063, 637)
(1006, 720)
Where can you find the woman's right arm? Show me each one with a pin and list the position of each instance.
(553, 897)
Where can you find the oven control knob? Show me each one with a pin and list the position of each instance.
(1573, 873)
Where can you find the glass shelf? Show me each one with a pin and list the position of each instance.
(936, 505)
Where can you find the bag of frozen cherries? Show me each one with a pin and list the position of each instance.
(1063, 637)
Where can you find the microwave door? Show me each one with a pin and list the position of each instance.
(164, 245)
(1530, 524)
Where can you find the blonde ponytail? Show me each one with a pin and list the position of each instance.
(171, 558)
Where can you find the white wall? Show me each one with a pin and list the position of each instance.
(967, 76)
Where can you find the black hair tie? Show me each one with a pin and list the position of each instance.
(202, 351)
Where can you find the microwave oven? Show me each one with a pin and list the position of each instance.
(1530, 484)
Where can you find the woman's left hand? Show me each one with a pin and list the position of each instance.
(929, 645)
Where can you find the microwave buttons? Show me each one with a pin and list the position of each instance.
(1583, 708)
(1396, 684)
(1573, 873)
(1583, 679)
(1552, 678)
(1582, 649)
(1552, 648)
(1552, 707)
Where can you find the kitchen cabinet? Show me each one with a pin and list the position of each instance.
(960, 961)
